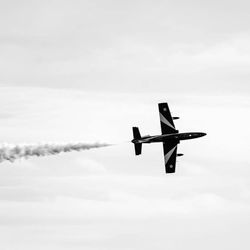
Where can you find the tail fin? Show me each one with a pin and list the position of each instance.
(136, 133)
(138, 147)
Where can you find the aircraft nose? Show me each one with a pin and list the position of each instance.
(203, 134)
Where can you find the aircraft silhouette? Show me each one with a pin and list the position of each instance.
(170, 138)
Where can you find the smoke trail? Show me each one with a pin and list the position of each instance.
(14, 152)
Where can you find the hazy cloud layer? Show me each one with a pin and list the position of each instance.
(94, 69)
(109, 198)
(133, 46)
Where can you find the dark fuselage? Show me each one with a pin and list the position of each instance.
(168, 137)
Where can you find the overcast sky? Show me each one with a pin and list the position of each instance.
(87, 71)
(126, 45)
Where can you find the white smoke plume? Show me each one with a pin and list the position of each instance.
(13, 152)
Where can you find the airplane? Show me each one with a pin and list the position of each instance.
(170, 137)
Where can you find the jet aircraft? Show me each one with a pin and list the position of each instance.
(170, 138)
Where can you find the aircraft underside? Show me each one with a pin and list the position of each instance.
(170, 138)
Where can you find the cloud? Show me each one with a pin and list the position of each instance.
(98, 199)
(110, 199)
(64, 47)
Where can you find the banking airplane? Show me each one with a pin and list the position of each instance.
(170, 137)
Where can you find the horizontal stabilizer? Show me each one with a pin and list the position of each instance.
(138, 147)
(136, 133)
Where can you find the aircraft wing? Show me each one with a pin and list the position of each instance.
(170, 153)
(167, 124)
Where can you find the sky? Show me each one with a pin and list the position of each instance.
(87, 71)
